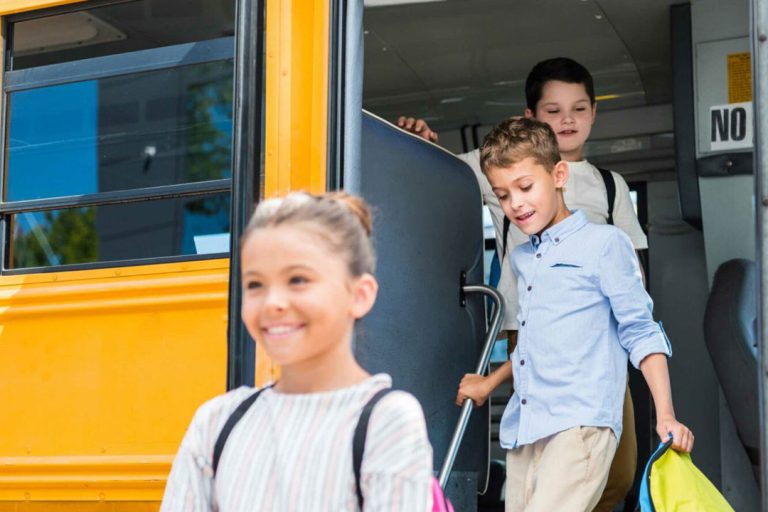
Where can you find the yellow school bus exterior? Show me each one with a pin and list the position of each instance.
(107, 354)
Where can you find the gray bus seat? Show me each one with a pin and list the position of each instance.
(730, 331)
(428, 233)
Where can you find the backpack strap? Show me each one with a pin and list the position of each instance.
(504, 233)
(358, 440)
(236, 416)
(610, 190)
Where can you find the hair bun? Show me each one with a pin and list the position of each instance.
(358, 206)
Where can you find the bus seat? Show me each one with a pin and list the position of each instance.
(428, 232)
(730, 331)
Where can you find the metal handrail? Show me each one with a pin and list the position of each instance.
(466, 409)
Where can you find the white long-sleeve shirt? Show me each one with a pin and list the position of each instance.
(294, 452)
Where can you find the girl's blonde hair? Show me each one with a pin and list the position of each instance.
(343, 221)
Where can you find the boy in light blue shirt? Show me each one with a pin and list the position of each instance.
(576, 281)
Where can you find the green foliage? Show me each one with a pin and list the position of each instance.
(62, 237)
(209, 148)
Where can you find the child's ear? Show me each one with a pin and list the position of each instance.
(594, 112)
(365, 290)
(560, 173)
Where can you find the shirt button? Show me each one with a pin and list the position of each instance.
(523, 322)
(523, 401)
(538, 255)
(522, 362)
(529, 288)
(557, 240)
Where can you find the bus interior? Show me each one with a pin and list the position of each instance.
(658, 67)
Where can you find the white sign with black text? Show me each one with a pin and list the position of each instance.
(731, 126)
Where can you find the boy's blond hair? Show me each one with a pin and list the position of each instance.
(516, 139)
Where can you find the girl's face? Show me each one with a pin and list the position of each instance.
(299, 300)
(566, 108)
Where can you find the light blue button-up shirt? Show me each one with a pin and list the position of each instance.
(583, 311)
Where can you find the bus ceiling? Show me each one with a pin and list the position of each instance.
(453, 63)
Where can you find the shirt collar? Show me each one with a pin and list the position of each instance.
(562, 229)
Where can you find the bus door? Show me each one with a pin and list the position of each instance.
(424, 331)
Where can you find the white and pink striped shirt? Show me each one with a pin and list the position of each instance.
(293, 452)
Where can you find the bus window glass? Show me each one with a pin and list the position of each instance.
(118, 134)
(123, 132)
(118, 232)
(119, 28)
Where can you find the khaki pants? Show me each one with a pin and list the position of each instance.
(622, 473)
(563, 472)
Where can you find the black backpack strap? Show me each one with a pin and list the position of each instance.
(504, 233)
(610, 189)
(358, 440)
(236, 416)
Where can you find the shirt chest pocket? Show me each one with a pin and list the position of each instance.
(566, 265)
(565, 275)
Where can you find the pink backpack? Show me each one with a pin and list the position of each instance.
(439, 502)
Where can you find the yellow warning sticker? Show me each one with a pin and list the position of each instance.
(739, 77)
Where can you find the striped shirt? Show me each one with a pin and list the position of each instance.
(294, 452)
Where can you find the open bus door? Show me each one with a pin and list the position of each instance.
(424, 331)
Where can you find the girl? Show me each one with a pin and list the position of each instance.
(307, 271)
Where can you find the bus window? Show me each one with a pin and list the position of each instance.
(116, 29)
(119, 135)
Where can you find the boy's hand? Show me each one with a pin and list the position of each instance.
(417, 127)
(682, 437)
(474, 387)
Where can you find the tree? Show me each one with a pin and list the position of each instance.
(61, 237)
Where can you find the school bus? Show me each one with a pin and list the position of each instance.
(123, 126)
(138, 134)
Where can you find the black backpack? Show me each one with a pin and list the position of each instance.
(358, 439)
(610, 189)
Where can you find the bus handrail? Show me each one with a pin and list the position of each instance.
(466, 409)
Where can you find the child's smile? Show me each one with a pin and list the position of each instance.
(520, 219)
(281, 331)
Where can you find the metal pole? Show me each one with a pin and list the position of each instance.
(759, 12)
(466, 409)
(246, 171)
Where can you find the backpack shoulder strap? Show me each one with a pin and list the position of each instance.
(505, 232)
(358, 440)
(610, 189)
(236, 416)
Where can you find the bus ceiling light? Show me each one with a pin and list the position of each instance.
(61, 32)
(382, 3)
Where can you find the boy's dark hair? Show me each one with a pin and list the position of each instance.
(516, 139)
(561, 69)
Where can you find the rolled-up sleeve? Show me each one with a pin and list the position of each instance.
(621, 282)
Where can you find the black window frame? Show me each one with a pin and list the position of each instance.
(167, 57)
